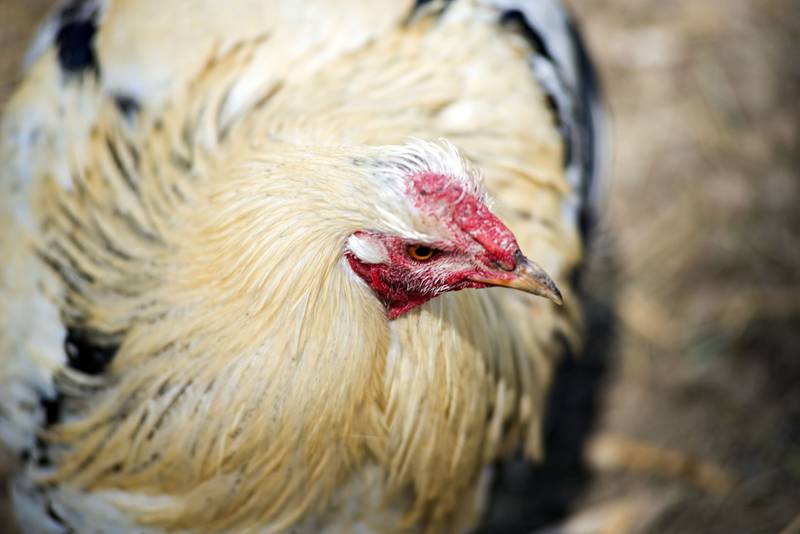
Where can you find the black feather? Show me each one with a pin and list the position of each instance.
(77, 26)
(588, 94)
(573, 104)
(516, 17)
(127, 105)
(52, 409)
(86, 355)
(419, 4)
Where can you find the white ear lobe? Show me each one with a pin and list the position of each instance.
(367, 248)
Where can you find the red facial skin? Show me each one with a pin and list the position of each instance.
(480, 247)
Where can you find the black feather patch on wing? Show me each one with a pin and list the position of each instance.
(554, 86)
(589, 96)
(77, 26)
(515, 16)
(86, 355)
(571, 88)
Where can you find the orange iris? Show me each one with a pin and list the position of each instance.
(420, 252)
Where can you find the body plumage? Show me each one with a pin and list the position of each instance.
(186, 346)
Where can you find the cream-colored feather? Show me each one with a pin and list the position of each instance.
(257, 384)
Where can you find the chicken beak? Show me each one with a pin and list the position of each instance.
(528, 277)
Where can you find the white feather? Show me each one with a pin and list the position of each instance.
(367, 250)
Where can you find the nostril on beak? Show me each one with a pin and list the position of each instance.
(504, 266)
(507, 266)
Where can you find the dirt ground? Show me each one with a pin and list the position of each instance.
(699, 419)
(684, 414)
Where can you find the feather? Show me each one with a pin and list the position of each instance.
(182, 338)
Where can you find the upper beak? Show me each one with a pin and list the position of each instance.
(528, 277)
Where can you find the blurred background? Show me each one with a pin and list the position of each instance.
(684, 414)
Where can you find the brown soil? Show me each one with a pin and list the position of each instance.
(699, 426)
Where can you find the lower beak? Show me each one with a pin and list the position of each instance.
(528, 277)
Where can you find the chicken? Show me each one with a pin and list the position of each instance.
(246, 252)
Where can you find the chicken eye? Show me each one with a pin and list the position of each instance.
(420, 252)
